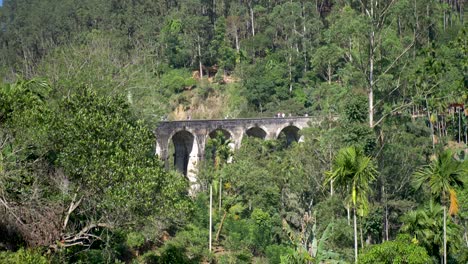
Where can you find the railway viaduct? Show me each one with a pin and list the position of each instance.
(190, 136)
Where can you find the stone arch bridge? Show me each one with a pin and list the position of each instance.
(190, 136)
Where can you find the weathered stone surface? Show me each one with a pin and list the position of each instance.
(190, 136)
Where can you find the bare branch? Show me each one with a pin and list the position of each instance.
(82, 238)
(72, 208)
(395, 60)
(10, 210)
(382, 15)
(92, 226)
(425, 93)
(392, 112)
(393, 90)
(62, 245)
(5, 141)
(384, 11)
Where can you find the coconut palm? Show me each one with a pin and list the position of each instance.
(443, 175)
(353, 171)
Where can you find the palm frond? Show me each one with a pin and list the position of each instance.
(453, 210)
(353, 171)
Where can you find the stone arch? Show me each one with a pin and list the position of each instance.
(185, 151)
(257, 132)
(291, 132)
(227, 134)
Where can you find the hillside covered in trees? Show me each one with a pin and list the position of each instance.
(382, 179)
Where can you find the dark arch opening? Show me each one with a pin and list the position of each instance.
(214, 133)
(290, 134)
(218, 138)
(256, 132)
(183, 144)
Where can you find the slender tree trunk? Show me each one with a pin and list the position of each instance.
(415, 29)
(428, 28)
(220, 226)
(360, 233)
(459, 125)
(303, 39)
(252, 18)
(330, 162)
(348, 209)
(350, 50)
(290, 71)
(355, 236)
(371, 70)
(438, 124)
(220, 192)
(451, 18)
(213, 8)
(384, 195)
(304, 55)
(453, 120)
(445, 126)
(386, 222)
(445, 234)
(399, 27)
(237, 42)
(371, 81)
(330, 167)
(211, 216)
(432, 126)
(444, 21)
(200, 59)
(460, 4)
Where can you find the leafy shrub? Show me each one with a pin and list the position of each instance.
(135, 239)
(260, 229)
(244, 256)
(401, 251)
(296, 257)
(22, 256)
(238, 257)
(238, 230)
(89, 256)
(175, 81)
(274, 253)
(173, 254)
(150, 258)
(192, 239)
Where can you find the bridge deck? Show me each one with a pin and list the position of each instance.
(232, 121)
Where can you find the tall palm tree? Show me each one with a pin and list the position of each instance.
(221, 151)
(353, 171)
(443, 175)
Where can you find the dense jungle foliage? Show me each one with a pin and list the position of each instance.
(382, 179)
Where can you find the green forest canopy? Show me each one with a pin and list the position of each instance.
(83, 83)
